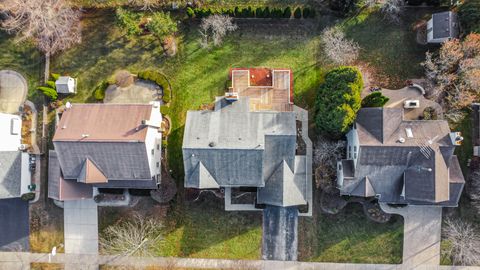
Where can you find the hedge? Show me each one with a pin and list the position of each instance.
(338, 100)
(164, 110)
(469, 15)
(250, 12)
(99, 91)
(160, 80)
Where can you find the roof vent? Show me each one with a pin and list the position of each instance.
(68, 105)
(85, 135)
(409, 132)
(401, 140)
(64, 127)
(211, 144)
(456, 138)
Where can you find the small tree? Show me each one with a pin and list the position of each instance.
(464, 242)
(338, 48)
(129, 21)
(136, 237)
(474, 189)
(52, 24)
(375, 99)
(162, 25)
(297, 14)
(216, 27)
(338, 100)
(287, 13)
(392, 9)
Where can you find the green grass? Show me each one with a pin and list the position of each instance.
(390, 49)
(350, 237)
(23, 58)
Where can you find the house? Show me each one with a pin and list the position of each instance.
(15, 176)
(248, 143)
(442, 27)
(66, 85)
(105, 146)
(400, 161)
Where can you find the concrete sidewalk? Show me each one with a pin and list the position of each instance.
(15, 260)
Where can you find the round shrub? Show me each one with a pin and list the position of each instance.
(49, 92)
(297, 14)
(266, 12)
(259, 12)
(308, 12)
(287, 13)
(375, 99)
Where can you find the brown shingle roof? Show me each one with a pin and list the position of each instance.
(103, 122)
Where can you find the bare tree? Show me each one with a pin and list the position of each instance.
(453, 75)
(216, 27)
(146, 4)
(338, 48)
(135, 237)
(52, 24)
(464, 242)
(392, 9)
(325, 155)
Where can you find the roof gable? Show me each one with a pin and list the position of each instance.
(90, 173)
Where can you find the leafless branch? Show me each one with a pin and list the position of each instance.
(52, 24)
(464, 242)
(216, 26)
(338, 48)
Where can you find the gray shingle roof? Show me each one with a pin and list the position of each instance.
(444, 24)
(117, 160)
(10, 174)
(232, 147)
(413, 171)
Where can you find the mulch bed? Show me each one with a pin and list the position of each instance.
(375, 213)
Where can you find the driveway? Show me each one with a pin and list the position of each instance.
(14, 225)
(81, 227)
(13, 91)
(279, 238)
(421, 235)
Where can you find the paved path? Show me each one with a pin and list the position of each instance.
(81, 227)
(19, 260)
(422, 234)
(13, 91)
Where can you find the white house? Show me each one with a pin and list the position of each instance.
(442, 27)
(66, 85)
(15, 174)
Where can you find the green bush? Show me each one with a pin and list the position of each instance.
(190, 12)
(429, 113)
(237, 12)
(49, 92)
(51, 84)
(375, 99)
(287, 13)
(469, 15)
(343, 6)
(276, 13)
(99, 92)
(259, 12)
(164, 110)
(55, 76)
(128, 21)
(266, 13)
(166, 95)
(161, 24)
(338, 100)
(297, 14)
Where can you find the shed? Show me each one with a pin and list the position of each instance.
(442, 27)
(66, 85)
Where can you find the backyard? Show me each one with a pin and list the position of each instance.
(197, 75)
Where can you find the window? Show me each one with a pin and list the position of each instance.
(158, 146)
(349, 152)
(153, 151)
(355, 152)
(158, 164)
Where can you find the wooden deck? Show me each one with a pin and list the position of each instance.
(264, 98)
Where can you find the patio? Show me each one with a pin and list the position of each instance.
(13, 91)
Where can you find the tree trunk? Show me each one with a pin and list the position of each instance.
(46, 75)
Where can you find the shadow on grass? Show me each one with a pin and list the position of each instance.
(350, 237)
